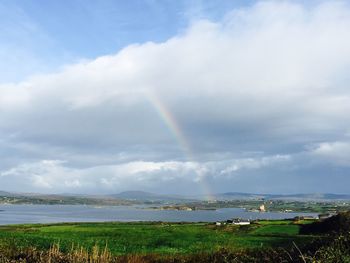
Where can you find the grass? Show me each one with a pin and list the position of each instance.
(263, 241)
(268, 230)
(275, 222)
(159, 238)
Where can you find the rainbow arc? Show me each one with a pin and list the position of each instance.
(175, 128)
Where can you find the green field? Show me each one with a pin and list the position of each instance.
(160, 238)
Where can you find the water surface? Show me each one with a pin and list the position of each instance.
(23, 214)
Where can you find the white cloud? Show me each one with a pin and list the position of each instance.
(53, 174)
(269, 78)
(254, 163)
(337, 153)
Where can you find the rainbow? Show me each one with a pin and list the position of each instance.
(170, 121)
(172, 124)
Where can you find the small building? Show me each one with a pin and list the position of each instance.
(218, 223)
(241, 222)
(262, 208)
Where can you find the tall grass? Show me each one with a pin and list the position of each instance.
(337, 251)
(55, 255)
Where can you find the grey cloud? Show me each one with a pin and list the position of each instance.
(271, 78)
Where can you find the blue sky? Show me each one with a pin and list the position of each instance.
(49, 34)
(175, 97)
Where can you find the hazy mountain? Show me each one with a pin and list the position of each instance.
(237, 195)
(146, 196)
(312, 196)
(136, 195)
(315, 196)
(4, 193)
(141, 196)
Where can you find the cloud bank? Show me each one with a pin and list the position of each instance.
(257, 101)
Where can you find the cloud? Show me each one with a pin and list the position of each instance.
(45, 175)
(336, 153)
(270, 78)
(251, 163)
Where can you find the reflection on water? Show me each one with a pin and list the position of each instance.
(20, 214)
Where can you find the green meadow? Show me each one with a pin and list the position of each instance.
(159, 238)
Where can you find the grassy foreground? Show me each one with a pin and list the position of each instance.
(264, 241)
(160, 238)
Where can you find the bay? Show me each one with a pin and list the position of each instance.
(26, 214)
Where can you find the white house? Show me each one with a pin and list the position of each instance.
(240, 222)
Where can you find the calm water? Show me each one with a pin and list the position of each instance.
(19, 214)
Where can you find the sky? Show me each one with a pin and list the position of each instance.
(174, 97)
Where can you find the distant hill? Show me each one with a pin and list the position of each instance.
(136, 195)
(52, 199)
(313, 196)
(146, 196)
(237, 195)
(141, 196)
(3, 193)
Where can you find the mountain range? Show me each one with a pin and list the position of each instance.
(141, 196)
